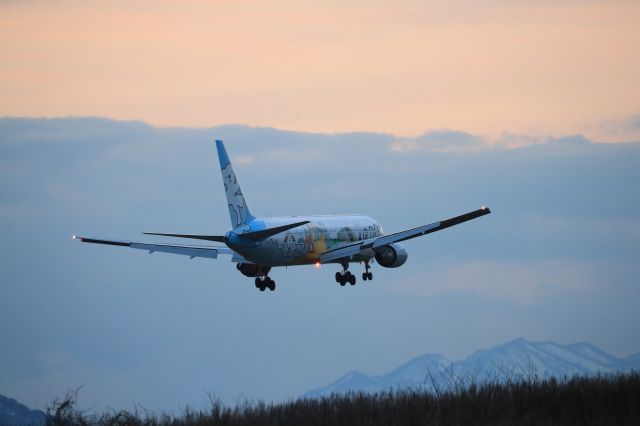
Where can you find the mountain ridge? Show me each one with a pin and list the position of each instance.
(515, 359)
(14, 413)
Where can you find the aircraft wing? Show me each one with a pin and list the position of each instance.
(362, 247)
(191, 251)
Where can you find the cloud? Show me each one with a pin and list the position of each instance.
(520, 282)
(454, 141)
(634, 122)
(243, 159)
(628, 128)
(440, 141)
(511, 140)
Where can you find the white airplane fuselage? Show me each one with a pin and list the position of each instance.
(302, 245)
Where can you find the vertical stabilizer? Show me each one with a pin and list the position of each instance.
(238, 210)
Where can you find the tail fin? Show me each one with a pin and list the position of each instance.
(238, 210)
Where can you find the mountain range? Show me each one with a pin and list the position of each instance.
(14, 413)
(518, 359)
(515, 360)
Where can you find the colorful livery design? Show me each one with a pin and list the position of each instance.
(257, 244)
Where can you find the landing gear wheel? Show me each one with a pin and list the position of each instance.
(367, 275)
(263, 283)
(338, 277)
(352, 279)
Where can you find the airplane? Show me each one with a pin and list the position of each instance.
(258, 244)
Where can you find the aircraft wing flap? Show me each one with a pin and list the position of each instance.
(208, 252)
(427, 229)
(341, 252)
(404, 235)
(217, 238)
(191, 251)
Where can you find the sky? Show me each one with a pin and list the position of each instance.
(486, 67)
(409, 112)
(556, 260)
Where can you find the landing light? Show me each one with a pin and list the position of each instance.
(317, 264)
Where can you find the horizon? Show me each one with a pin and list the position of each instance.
(504, 139)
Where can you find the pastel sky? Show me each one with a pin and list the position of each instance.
(488, 67)
(408, 111)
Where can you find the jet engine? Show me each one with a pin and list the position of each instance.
(391, 255)
(253, 270)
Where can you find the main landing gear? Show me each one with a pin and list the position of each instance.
(265, 282)
(367, 275)
(345, 276)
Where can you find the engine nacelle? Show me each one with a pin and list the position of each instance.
(391, 255)
(253, 270)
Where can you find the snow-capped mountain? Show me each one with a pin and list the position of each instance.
(513, 360)
(413, 373)
(543, 359)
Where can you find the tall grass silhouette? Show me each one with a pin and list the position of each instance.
(600, 400)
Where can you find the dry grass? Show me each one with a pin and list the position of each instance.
(603, 400)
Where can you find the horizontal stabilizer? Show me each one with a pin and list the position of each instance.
(107, 242)
(266, 233)
(218, 238)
